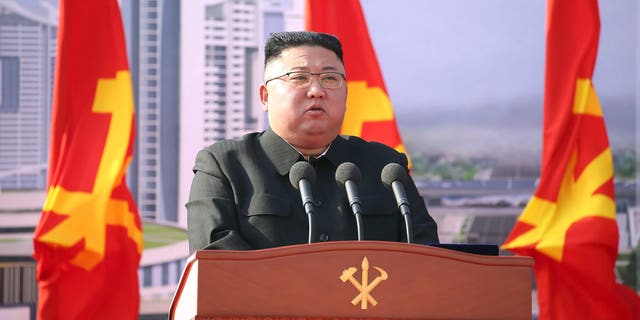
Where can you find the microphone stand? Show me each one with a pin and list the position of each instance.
(307, 201)
(398, 189)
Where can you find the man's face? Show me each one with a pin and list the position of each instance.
(308, 117)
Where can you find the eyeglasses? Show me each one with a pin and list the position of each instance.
(302, 79)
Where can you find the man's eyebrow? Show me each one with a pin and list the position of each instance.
(304, 68)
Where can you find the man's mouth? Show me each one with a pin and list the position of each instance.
(315, 108)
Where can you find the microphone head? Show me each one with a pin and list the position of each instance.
(348, 171)
(301, 170)
(393, 172)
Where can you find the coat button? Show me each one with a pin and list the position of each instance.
(317, 203)
(324, 237)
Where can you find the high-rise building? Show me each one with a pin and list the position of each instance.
(221, 70)
(152, 29)
(196, 66)
(28, 32)
(210, 52)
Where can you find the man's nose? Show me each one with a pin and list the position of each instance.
(315, 90)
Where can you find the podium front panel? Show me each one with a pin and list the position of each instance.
(351, 279)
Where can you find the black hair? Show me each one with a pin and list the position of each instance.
(280, 41)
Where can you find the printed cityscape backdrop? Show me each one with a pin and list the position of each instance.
(465, 79)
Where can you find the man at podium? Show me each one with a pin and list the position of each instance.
(243, 195)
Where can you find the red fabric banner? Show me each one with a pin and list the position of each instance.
(569, 226)
(89, 240)
(369, 110)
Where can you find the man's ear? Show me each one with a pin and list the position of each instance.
(264, 97)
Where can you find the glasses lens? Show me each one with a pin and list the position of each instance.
(299, 79)
(331, 80)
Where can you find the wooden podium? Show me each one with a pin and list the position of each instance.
(353, 280)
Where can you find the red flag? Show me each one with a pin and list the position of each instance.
(369, 111)
(569, 225)
(89, 240)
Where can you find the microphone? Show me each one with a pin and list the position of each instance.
(394, 177)
(348, 175)
(302, 176)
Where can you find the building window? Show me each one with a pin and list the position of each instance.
(146, 276)
(215, 12)
(165, 273)
(9, 84)
(149, 196)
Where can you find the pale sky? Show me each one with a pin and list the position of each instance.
(462, 51)
(467, 76)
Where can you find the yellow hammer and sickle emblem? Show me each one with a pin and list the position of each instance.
(364, 286)
(88, 213)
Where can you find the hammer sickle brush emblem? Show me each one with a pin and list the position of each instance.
(364, 287)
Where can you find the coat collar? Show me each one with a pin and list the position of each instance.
(340, 150)
(283, 155)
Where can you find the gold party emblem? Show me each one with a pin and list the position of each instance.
(363, 286)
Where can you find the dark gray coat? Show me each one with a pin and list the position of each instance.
(241, 197)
